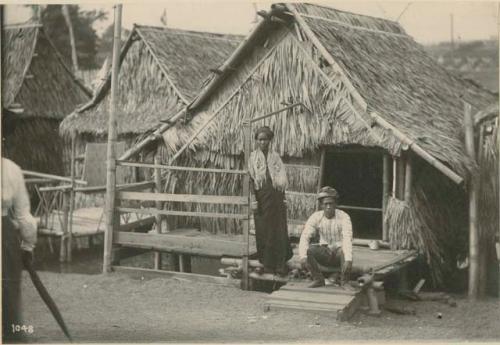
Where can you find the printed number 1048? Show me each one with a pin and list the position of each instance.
(22, 328)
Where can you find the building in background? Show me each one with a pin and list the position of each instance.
(38, 91)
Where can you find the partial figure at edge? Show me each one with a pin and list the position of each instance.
(19, 235)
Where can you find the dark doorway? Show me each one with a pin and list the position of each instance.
(356, 173)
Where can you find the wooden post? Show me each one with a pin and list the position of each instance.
(473, 230)
(111, 159)
(181, 263)
(321, 173)
(71, 196)
(64, 237)
(394, 176)
(497, 245)
(400, 178)
(408, 178)
(385, 193)
(157, 176)
(247, 132)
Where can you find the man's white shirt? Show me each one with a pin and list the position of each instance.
(335, 232)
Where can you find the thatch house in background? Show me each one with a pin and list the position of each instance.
(38, 91)
(161, 70)
(369, 93)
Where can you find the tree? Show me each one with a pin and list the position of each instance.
(105, 43)
(69, 23)
(85, 36)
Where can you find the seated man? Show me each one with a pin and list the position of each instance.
(335, 239)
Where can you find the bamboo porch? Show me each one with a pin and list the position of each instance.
(370, 268)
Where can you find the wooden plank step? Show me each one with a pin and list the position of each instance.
(302, 286)
(302, 306)
(340, 300)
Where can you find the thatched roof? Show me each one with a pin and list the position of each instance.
(36, 82)
(388, 72)
(161, 70)
(398, 79)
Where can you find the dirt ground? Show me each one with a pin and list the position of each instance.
(117, 308)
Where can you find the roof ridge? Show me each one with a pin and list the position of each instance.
(353, 13)
(398, 29)
(191, 32)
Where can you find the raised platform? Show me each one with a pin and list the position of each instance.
(86, 222)
(186, 241)
(336, 300)
(366, 260)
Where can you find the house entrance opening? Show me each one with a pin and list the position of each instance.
(356, 173)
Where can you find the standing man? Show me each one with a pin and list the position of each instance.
(18, 240)
(334, 228)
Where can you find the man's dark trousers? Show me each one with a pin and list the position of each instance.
(322, 255)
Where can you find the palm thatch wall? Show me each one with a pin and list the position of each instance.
(33, 143)
(38, 91)
(280, 65)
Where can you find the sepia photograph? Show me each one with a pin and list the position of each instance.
(250, 171)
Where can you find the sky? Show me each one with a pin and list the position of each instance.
(426, 21)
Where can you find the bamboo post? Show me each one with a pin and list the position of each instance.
(71, 196)
(385, 192)
(473, 229)
(394, 176)
(111, 159)
(157, 177)
(247, 132)
(408, 179)
(321, 173)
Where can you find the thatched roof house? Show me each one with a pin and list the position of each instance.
(368, 90)
(38, 91)
(161, 69)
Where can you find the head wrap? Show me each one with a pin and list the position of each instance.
(328, 191)
(264, 129)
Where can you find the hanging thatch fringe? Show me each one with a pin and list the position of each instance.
(409, 229)
(300, 206)
(303, 179)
